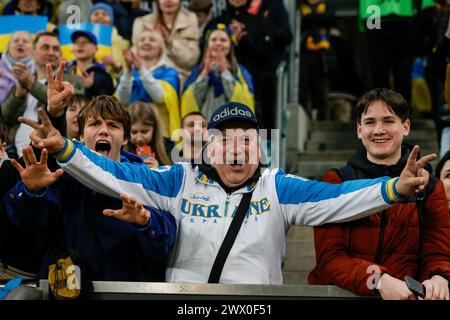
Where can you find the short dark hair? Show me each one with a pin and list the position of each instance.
(76, 99)
(108, 108)
(394, 102)
(3, 131)
(39, 35)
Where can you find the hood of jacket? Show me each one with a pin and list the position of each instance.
(369, 169)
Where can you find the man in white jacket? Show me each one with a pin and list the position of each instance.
(203, 198)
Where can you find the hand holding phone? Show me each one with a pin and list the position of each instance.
(415, 287)
(144, 152)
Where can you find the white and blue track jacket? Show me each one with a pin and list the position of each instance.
(203, 211)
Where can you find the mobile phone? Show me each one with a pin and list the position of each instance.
(144, 152)
(415, 287)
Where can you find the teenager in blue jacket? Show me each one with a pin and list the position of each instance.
(73, 216)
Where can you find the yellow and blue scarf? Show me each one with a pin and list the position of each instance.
(168, 78)
(243, 89)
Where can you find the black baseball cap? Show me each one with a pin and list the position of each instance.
(82, 33)
(232, 112)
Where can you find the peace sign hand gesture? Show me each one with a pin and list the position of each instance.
(44, 134)
(414, 178)
(59, 91)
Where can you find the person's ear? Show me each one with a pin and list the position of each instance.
(358, 130)
(406, 127)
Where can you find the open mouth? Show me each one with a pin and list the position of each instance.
(103, 147)
(236, 163)
(379, 140)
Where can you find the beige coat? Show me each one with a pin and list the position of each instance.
(183, 47)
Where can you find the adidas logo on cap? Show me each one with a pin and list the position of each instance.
(232, 112)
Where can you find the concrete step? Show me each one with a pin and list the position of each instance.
(329, 155)
(301, 233)
(300, 248)
(316, 169)
(301, 264)
(290, 277)
(300, 255)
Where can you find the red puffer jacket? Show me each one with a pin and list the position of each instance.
(345, 252)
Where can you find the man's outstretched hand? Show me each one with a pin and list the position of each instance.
(132, 211)
(44, 134)
(36, 175)
(414, 178)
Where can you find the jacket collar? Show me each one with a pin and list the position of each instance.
(182, 20)
(360, 162)
(208, 175)
(72, 66)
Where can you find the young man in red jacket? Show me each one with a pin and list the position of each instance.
(373, 255)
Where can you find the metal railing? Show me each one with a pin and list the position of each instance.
(294, 50)
(279, 148)
(153, 290)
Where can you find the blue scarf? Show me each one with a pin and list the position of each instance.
(10, 62)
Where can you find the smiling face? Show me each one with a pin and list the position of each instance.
(236, 154)
(196, 125)
(220, 42)
(28, 6)
(21, 45)
(104, 136)
(382, 133)
(47, 50)
(100, 16)
(84, 49)
(141, 134)
(148, 46)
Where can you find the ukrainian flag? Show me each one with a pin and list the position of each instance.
(243, 91)
(101, 31)
(13, 23)
(168, 78)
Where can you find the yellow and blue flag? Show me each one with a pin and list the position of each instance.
(102, 33)
(169, 80)
(13, 23)
(243, 91)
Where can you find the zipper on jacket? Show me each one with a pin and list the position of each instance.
(227, 202)
(381, 237)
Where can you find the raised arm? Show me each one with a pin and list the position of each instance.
(151, 187)
(314, 203)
